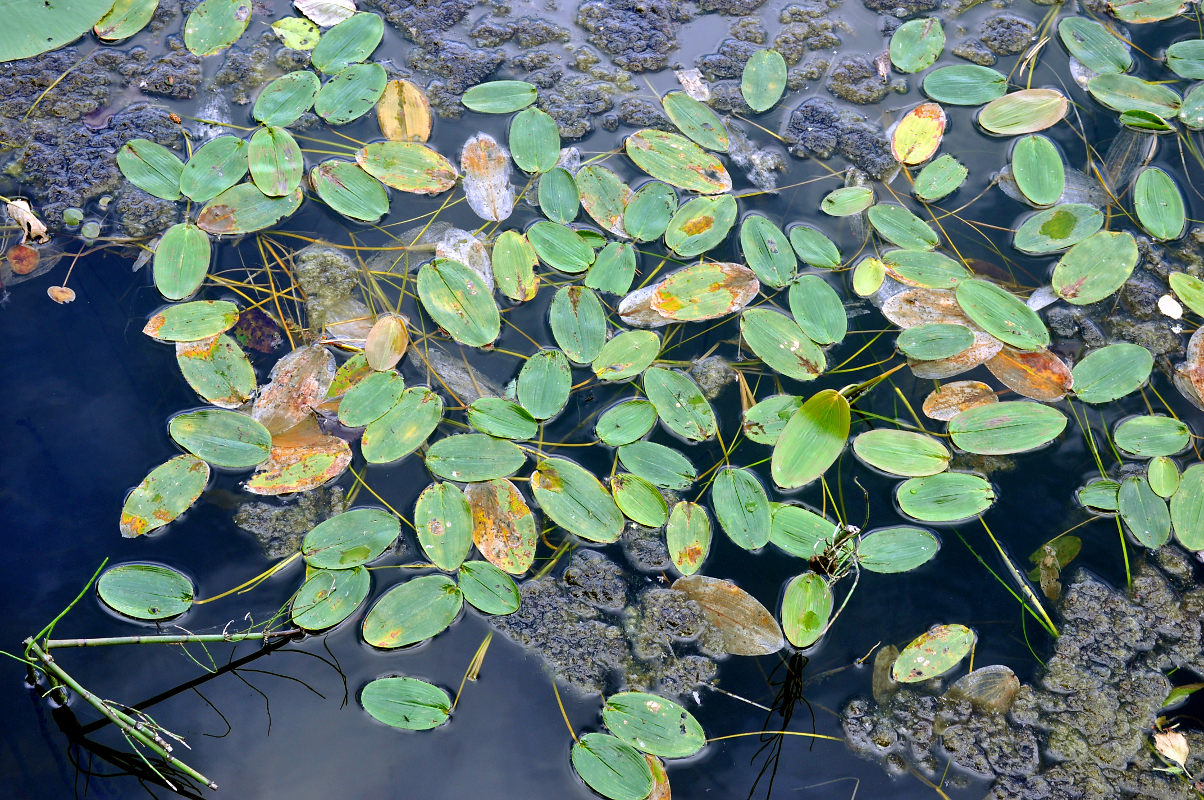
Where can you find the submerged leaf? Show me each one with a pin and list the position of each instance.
(746, 627)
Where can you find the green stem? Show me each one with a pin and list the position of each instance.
(51, 644)
(1024, 587)
(130, 727)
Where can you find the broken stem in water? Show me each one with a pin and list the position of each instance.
(266, 636)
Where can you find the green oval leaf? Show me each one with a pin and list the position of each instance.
(1111, 372)
(275, 161)
(406, 703)
(763, 422)
(1058, 228)
(350, 539)
(625, 422)
(534, 141)
(659, 465)
(444, 524)
(407, 166)
(218, 370)
(688, 536)
(847, 201)
(145, 591)
(329, 596)
(544, 383)
(700, 225)
(648, 211)
(351, 93)
(459, 301)
(639, 500)
(1187, 508)
(214, 167)
(939, 179)
(191, 322)
(677, 161)
(696, 120)
(501, 418)
(781, 344)
(1146, 437)
(614, 269)
(897, 549)
(1023, 111)
(626, 356)
(904, 453)
(1159, 204)
(814, 248)
(488, 589)
(812, 440)
(164, 494)
(945, 497)
(1163, 474)
(965, 85)
(933, 653)
(653, 724)
(806, 608)
(680, 404)
(403, 427)
(1129, 93)
(412, 612)
(347, 43)
(559, 198)
(245, 209)
(467, 457)
(1038, 169)
(514, 263)
(560, 247)
(1096, 47)
(214, 25)
(917, 44)
(222, 438)
(1144, 513)
(1015, 426)
(763, 80)
(349, 190)
(935, 341)
(900, 227)
(1001, 314)
(151, 167)
(768, 252)
(576, 501)
(499, 97)
(578, 323)
(285, 99)
(742, 507)
(181, 261)
(611, 767)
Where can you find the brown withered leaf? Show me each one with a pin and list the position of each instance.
(953, 398)
(913, 307)
(503, 527)
(386, 342)
(300, 467)
(746, 627)
(487, 187)
(1039, 375)
(404, 113)
(298, 383)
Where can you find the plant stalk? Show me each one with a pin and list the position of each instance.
(51, 644)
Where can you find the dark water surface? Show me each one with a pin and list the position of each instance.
(88, 398)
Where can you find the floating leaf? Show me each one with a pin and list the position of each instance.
(299, 383)
(499, 97)
(1038, 169)
(945, 497)
(925, 269)
(698, 292)
(406, 703)
(639, 500)
(648, 211)
(124, 19)
(1192, 111)
(604, 197)
(1163, 474)
(285, 99)
(847, 201)
(814, 248)
(1058, 228)
(913, 307)
(559, 198)
(680, 404)
(626, 356)
(151, 167)
(576, 501)
(164, 494)
(218, 370)
(767, 251)
(1001, 314)
(812, 440)
(688, 536)
(800, 531)
(1187, 508)
(245, 209)
(1001, 428)
(408, 166)
(329, 596)
(918, 135)
(296, 33)
(900, 227)
(467, 457)
(544, 383)
(763, 80)
(222, 438)
(487, 187)
(745, 627)
(350, 539)
(868, 276)
(370, 399)
(611, 767)
(514, 263)
(214, 25)
(904, 453)
(806, 608)
(1111, 372)
(456, 298)
(781, 344)
(625, 422)
(1146, 437)
(763, 422)
(933, 342)
(1185, 59)
(534, 140)
(984, 348)
(214, 167)
(917, 44)
(412, 612)
(1039, 375)
(742, 507)
(1100, 495)
(818, 310)
(349, 190)
(653, 724)
(897, 549)
(503, 527)
(404, 112)
(696, 120)
(347, 43)
(488, 588)
(501, 418)
(181, 261)
(700, 225)
(1189, 289)
(1144, 513)
(1159, 204)
(326, 12)
(933, 653)
(965, 85)
(1129, 93)
(403, 427)
(578, 323)
(560, 247)
(275, 161)
(1097, 48)
(939, 179)
(613, 270)
(444, 524)
(351, 93)
(659, 465)
(1023, 111)
(677, 161)
(145, 591)
(953, 398)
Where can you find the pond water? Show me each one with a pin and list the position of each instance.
(90, 397)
